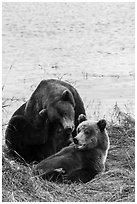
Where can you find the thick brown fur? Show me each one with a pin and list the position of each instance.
(84, 158)
(44, 124)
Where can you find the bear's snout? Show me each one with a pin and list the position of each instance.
(69, 129)
(67, 125)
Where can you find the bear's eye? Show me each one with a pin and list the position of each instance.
(87, 132)
(60, 130)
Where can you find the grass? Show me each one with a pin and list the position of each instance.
(117, 184)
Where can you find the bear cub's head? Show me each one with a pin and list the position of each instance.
(89, 133)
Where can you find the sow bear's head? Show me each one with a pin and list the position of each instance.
(89, 133)
(61, 111)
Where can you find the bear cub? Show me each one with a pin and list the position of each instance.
(84, 158)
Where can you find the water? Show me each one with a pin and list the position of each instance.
(90, 45)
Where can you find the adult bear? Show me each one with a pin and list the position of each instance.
(44, 124)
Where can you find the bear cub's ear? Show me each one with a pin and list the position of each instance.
(81, 118)
(101, 124)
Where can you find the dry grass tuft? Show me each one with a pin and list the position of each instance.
(116, 184)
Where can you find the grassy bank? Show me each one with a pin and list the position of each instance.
(116, 184)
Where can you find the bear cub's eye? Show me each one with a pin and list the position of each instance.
(78, 130)
(87, 132)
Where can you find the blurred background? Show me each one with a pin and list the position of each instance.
(90, 45)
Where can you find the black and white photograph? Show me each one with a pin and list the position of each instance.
(68, 101)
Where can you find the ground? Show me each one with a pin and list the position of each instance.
(117, 184)
(90, 45)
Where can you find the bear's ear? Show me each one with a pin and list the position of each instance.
(101, 124)
(81, 118)
(33, 113)
(66, 95)
(43, 113)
